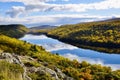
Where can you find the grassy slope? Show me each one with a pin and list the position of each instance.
(79, 71)
(10, 71)
(13, 30)
(101, 36)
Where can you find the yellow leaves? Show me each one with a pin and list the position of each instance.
(87, 76)
(95, 33)
(109, 32)
(76, 63)
(84, 64)
(77, 74)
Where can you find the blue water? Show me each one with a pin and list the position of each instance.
(72, 52)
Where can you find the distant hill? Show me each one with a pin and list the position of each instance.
(13, 30)
(102, 34)
(113, 19)
(42, 27)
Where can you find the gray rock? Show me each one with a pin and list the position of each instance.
(12, 58)
(44, 70)
(25, 76)
(68, 78)
(55, 74)
(62, 75)
(32, 69)
(50, 71)
(59, 73)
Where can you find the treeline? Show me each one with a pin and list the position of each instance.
(104, 35)
(13, 30)
(79, 71)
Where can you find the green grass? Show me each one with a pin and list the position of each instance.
(10, 71)
(35, 76)
(13, 45)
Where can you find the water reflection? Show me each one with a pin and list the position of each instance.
(73, 52)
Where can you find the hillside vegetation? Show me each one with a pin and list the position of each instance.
(101, 36)
(73, 69)
(13, 30)
(10, 71)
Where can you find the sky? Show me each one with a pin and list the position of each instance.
(56, 12)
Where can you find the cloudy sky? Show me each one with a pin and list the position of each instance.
(56, 12)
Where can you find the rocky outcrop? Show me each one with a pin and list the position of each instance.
(55, 74)
(44, 70)
(12, 58)
(62, 75)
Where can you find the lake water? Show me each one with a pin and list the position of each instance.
(73, 52)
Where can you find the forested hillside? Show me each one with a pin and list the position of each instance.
(40, 29)
(40, 60)
(101, 36)
(13, 30)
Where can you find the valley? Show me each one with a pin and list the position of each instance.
(38, 57)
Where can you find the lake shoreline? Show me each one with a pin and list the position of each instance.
(84, 46)
(72, 52)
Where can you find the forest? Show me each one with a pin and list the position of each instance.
(101, 36)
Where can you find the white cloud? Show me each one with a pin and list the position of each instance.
(49, 47)
(15, 11)
(92, 61)
(80, 59)
(42, 6)
(23, 1)
(57, 19)
(55, 47)
(106, 4)
(35, 37)
(29, 2)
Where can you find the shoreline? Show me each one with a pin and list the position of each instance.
(109, 50)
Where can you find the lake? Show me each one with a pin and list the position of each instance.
(73, 52)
